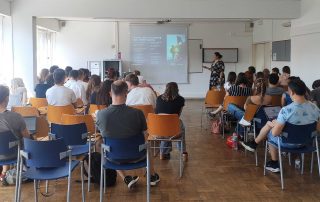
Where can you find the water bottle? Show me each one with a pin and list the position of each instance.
(297, 163)
(234, 141)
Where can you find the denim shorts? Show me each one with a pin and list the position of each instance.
(274, 140)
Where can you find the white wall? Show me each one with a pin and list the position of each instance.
(50, 24)
(305, 47)
(216, 34)
(5, 7)
(79, 42)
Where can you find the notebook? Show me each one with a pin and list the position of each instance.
(272, 112)
(31, 123)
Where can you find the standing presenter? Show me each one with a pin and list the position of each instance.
(217, 71)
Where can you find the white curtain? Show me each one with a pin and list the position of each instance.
(45, 46)
(5, 67)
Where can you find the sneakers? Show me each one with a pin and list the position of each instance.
(250, 146)
(154, 179)
(273, 166)
(131, 181)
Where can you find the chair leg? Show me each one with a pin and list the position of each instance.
(20, 176)
(289, 157)
(17, 177)
(280, 162)
(254, 137)
(89, 171)
(318, 158)
(181, 152)
(101, 175)
(201, 118)
(222, 123)
(311, 163)
(148, 174)
(265, 158)
(302, 163)
(104, 181)
(82, 182)
(47, 186)
(35, 187)
(69, 180)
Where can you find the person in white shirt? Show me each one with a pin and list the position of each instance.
(59, 95)
(139, 95)
(81, 79)
(19, 91)
(77, 88)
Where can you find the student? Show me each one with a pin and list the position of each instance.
(59, 95)
(139, 95)
(300, 112)
(77, 88)
(93, 86)
(41, 88)
(170, 102)
(10, 121)
(250, 74)
(284, 78)
(274, 88)
(111, 74)
(232, 76)
(259, 75)
(53, 68)
(286, 99)
(102, 96)
(266, 73)
(68, 69)
(121, 121)
(81, 79)
(315, 93)
(19, 92)
(276, 71)
(43, 75)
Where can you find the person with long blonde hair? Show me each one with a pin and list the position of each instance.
(19, 91)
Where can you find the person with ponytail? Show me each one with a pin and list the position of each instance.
(170, 102)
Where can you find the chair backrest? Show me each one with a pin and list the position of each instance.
(146, 109)
(42, 127)
(237, 100)
(163, 125)
(68, 119)
(45, 154)
(251, 110)
(26, 111)
(276, 100)
(215, 97)
(75, 134)
(299, 134)
(38, 102)
(123, 149)
(8, 144)
(93, 108)
(55, 112)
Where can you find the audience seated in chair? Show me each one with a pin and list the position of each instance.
(274, 88)
(170, 102)
(231, 81)
(77, 87)
(121, 121)
(10, 121)
(315, 93)
(300, 112)
(18, 89)
(102, 96)
(139, 95)
(45, 82)
(284, 78)
(81, 79)
(59, 95)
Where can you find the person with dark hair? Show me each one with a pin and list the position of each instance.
(68, 69)
(41, 88)
(232, 76)
(10, 121)
(81, 79)
(300, 112)
(286, 99)
(102, 96)
(315, 93)
(276, 71)
(250, 74)
(93, 86)
(59, 95)
(266, 73)
(86, 76)
(170, 102)
(121, 121)
(53, 68)
(77, 88)
(284, 76)
(139, 95)
(274, 88)
(111, 74)
(259, 75)
(43, 75)
(217, 71)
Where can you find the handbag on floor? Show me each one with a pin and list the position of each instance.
(216, 126)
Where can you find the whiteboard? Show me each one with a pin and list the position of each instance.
(230, 55)
(195, 55)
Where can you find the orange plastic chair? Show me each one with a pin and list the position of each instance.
(93, 108)
(146, 109)
(55, 113)
(38, 102)
(69, 119)
(26, 111)
(237, 100)
(214, 98)
(165, 127)
(42, 128)
(276, 100)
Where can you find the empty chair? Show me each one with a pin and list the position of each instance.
(45, 160)
(38, 102)
(166, 127)
(55, 112)
(42, 128)
(124, 150)
(146, 109)
(26, 111)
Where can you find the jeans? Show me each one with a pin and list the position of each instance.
(166, 147)
(274, 140)
(235, 111)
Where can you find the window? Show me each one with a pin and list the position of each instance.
(45, 46)
(6, 59)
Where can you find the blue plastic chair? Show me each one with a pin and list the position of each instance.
(116, 152)
(75, 137)
(45, 160)
(296, 134)
(9, 146)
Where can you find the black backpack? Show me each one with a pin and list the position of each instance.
(111, 175)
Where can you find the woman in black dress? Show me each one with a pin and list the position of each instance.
(217, 71)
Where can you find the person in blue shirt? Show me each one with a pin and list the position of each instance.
(41, 88)
(299, 112)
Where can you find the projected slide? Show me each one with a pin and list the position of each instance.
(160, 52)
